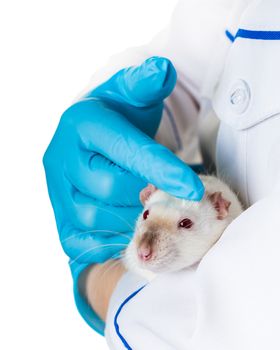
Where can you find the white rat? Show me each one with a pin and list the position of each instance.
(173, 233)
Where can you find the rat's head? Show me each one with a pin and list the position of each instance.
(172, 233)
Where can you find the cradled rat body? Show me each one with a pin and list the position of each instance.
(173, 233)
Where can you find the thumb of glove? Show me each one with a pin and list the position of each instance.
(140, 86)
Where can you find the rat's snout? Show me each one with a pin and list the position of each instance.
(146, 246)
(145, 252)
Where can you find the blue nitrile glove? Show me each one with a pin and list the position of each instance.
(101, 156)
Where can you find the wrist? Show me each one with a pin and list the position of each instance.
(99, 282)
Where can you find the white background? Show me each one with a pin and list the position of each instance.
(49, 50)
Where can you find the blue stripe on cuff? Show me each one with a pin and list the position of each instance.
(258, 34)
(229, 35)
(254, 34)
(117, 328)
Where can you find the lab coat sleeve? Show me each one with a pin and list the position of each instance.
(239, 283)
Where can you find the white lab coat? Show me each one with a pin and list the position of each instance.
(231, 301)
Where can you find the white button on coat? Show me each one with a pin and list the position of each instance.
(239, 97)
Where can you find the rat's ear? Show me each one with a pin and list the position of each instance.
(220, 204)
(146, 193)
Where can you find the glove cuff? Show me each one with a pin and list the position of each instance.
(85, 310)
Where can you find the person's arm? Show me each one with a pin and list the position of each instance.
(100, 282)
(93, 175)
(99, 160)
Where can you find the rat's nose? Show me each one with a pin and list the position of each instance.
(145, 252)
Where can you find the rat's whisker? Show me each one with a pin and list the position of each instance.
(95, 231)
(98, 247)
(118, 216)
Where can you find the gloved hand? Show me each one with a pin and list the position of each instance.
(102, 154)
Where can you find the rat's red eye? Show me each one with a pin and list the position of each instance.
(145, 214)
(185, 223)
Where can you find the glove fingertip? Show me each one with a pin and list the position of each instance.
(149, 83)
(173, 176)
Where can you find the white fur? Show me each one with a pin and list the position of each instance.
(178, 248)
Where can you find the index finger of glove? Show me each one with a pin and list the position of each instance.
(112, 136)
